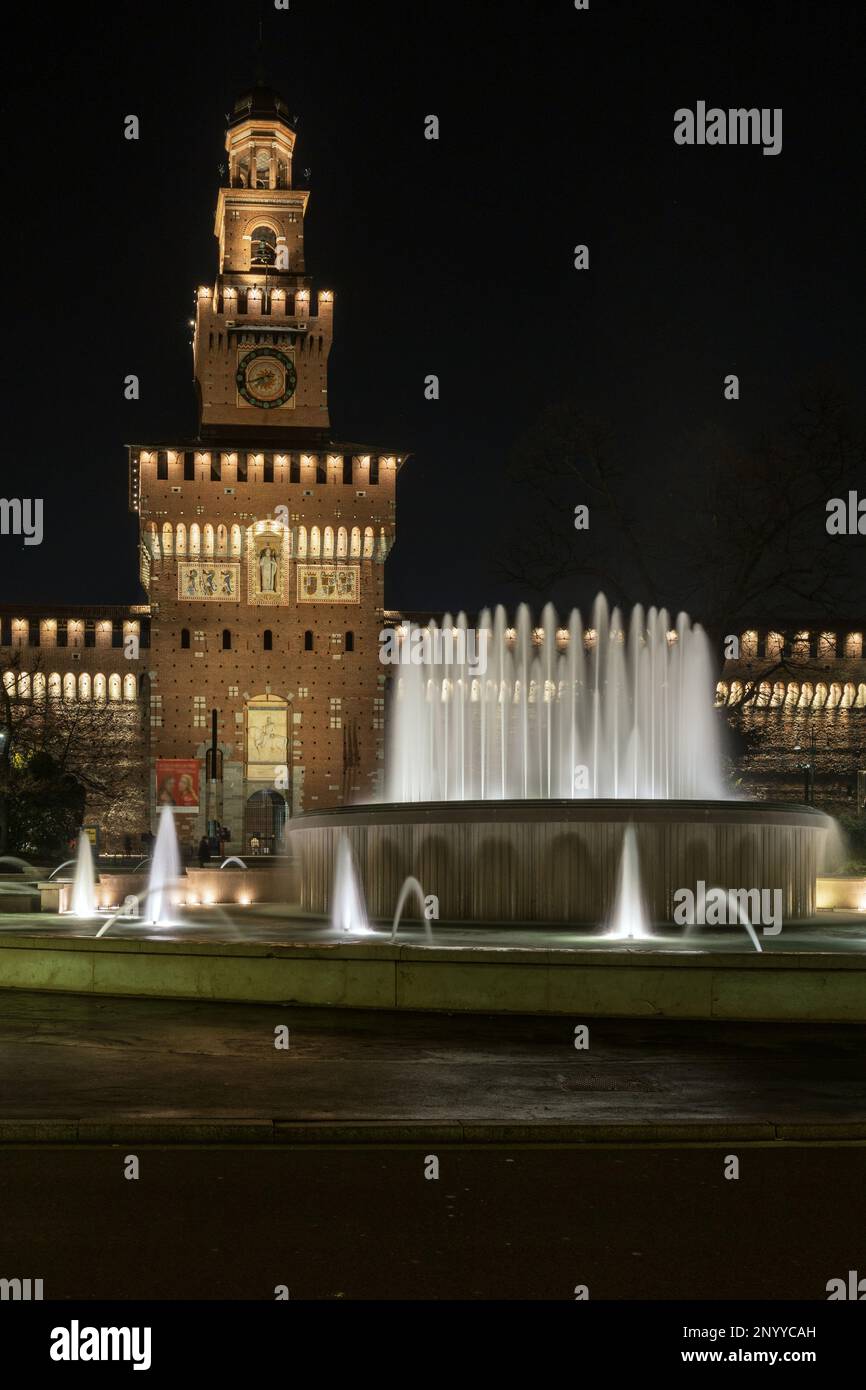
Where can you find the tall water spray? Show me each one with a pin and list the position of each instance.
(628, 917)
(616, 710)
(84, 885)
(164, 871)
(348, 909)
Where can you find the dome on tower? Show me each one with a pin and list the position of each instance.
(260, 103)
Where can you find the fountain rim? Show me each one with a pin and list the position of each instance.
(542, 810)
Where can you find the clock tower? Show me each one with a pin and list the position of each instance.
(263, 540)
(262, 333)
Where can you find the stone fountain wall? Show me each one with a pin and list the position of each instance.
(557, 862)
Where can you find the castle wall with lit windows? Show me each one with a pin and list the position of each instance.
(798, 698)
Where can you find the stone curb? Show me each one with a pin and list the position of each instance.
(292, 1132)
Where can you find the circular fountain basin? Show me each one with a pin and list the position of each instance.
(557, 861)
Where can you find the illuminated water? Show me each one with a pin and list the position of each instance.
(619, 710)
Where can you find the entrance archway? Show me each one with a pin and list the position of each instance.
(264, 822)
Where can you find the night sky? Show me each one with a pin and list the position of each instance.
(452, 257)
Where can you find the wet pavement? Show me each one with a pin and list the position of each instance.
(103, 1059)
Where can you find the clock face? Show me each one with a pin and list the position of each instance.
(266, 378)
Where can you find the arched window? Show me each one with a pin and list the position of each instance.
(180, 539)
(302, 542)
(355, 550)
(308, 640)
(227, 639)
(342, 543)
(54, 685)
(184, 637)
(167, 538)
(39, 686)
(368, 543)
(69, 686)
(114, 690)
(329, 543)
(194, 539)
(129, 687)
(236, 540)
(100, 687)
(268, 640)
(315, 542)
(349, 644)
(222, 540)
(84, 686)
(208, 539)
(263, 247)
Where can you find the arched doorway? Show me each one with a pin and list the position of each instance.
(264, 822)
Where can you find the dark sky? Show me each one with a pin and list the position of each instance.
(452, 257)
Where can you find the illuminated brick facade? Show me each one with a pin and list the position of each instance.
(263, 541)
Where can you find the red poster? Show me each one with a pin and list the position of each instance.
(177, 781)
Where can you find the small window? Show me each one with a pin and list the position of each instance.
(116, 633)
(347, 469)
(189, 466)
(162, 466)
(227, 639)
(184, 637)
(268, 469)
(268, 640)
(242, 468)
(216, 470)
(295, 470)
(89, 632)
(374, 470)
(321, 471)
(308, 640)
(349, 644)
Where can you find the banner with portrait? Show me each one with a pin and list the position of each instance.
(177, 784)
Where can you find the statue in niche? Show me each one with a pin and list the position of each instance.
(268, 570)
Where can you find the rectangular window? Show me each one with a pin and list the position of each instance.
(199, 712)
(347, 470)
(321, 471)
(242, 468)
(62, 632)
(216, 468)
(268, 467)
(162, 466)
(378, 713)
(188, 466)
(116, 632)
(33, 637)
(335, 717)
(295, 470)
(374, 470)
(156, 711)
(89, 632)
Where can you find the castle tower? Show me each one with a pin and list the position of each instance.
(263, 541)
(262, 333)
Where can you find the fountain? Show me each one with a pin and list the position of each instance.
(519, 756)
(84, 886)
(613, 711)
(410, 886)
(348, 912)
(629, 917)
(165, 870)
